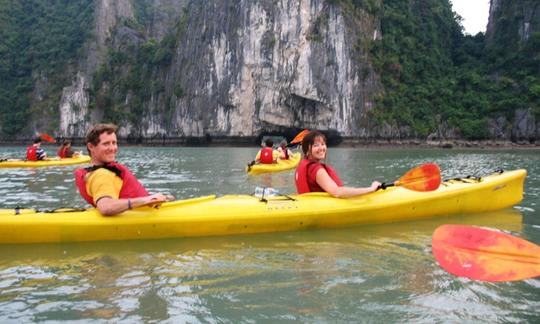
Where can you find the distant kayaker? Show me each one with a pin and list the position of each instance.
(283, 150)
(34, 152)
(65, 150)
(314, 176)
(266, 155)
(107, 185)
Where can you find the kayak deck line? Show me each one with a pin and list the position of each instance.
(247, 214)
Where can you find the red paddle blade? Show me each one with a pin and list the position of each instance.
(426, 177)
(484, 254)
(47, 138)
(298, 138)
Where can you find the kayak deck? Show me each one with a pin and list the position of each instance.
(18, 163)
(281, 165)
(243, 214)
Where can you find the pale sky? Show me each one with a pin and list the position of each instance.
(475, 14)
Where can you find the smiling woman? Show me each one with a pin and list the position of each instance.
(314, 176)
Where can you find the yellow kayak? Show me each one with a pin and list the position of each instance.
(18, 163)
(281, 165)
(243, 214)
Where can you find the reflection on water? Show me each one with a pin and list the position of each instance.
(384, 272)
(377, 273)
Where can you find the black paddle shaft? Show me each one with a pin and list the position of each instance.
(385, 185)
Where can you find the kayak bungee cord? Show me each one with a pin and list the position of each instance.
(17, 210)
(475, 179)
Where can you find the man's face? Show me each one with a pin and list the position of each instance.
(105, 150)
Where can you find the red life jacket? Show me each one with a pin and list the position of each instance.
(267, 155)
(31, 153)
(62, 152)
(131, 187)
(304, 184)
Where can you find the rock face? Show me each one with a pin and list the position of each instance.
(525, 127)
(243, 67)
(514, 22)
(520, 18)
(75, 115)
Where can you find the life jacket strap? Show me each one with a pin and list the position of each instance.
(111, 168)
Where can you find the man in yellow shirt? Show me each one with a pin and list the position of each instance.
(107, 185)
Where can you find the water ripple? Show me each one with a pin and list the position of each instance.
(380, 273)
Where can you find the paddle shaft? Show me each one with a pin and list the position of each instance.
(385, 185)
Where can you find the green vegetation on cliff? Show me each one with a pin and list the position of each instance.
(135, 71)
(38, 38)
(414, 58)
(431, 72)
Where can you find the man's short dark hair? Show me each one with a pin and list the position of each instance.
(268, 142)
(92, 136)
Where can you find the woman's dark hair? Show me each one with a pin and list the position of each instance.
(309, 139)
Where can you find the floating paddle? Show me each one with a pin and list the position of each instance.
(426, 177)
(485, 254)
(47, 138)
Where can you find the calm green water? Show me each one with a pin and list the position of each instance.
(381, 274)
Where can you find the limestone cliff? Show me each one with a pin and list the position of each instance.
(238, 69)
(512, 19)
(176, 69)
(515, 25)
(75, 115)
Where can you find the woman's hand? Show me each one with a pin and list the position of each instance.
(375, 185)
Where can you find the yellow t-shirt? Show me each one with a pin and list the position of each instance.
(103, 183)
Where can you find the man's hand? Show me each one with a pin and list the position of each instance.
(109, 206)
(155, 200)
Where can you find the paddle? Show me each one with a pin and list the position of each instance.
(485, 254)
(426, 177)
(47, 138)
(299, 137)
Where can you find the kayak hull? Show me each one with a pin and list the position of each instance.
(15, 163)
(281, 165)
(244, 214)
